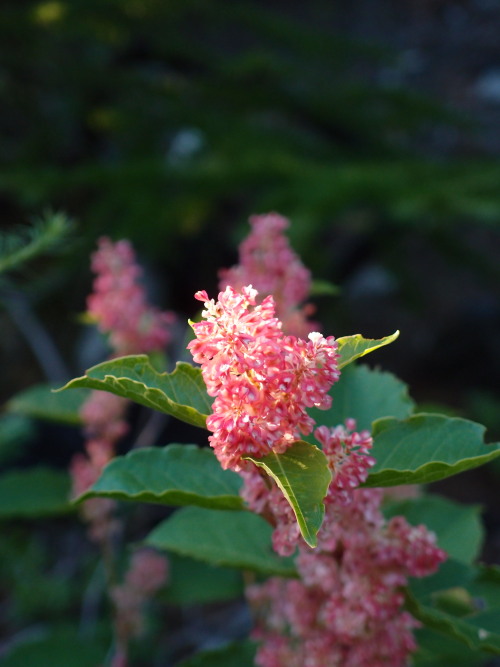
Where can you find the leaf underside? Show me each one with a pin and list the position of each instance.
(303, 476)
(354, 347)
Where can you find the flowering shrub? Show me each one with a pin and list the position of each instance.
(294, 490)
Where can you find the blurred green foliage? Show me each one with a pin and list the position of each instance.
(169, 123)
(156, 120)
(44, 235)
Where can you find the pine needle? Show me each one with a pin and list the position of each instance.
(44, 235)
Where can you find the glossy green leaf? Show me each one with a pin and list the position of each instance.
(221, 537)
(365, 395)
(303, 476)
(181, 393)
(195, 582)
(34, 492)
(425, 448)
(458, 527)
(241, 654)
(172, 475)
(41, 402)
(354, 347)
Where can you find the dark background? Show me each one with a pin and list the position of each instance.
(372, 125)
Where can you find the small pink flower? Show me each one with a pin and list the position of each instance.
(147, 573)
(348, 458)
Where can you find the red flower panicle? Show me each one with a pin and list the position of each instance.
(269, 264)
(346, 609)
(118, 303)
(262, 380)
(147, 573)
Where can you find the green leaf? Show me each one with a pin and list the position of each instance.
(303, 476)
(458, 527)
(437, 650)
(182, 393)
(194, 582)
(236, 653)
(354, 347)
(479, 632)
(486, 585)
(425, 448)
(223, 538)
(40, 402)
(475, 622)
(57, 648)
(35, 492)
(450, 575)
(365, 395)
(172, 475)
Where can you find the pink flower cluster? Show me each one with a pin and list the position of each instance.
(118, 303)
(119, 307)
(147, 573)
(347, 453)
(269, 264)
(298, 632)
(263, 381)
(346, 608)
(103, 418)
